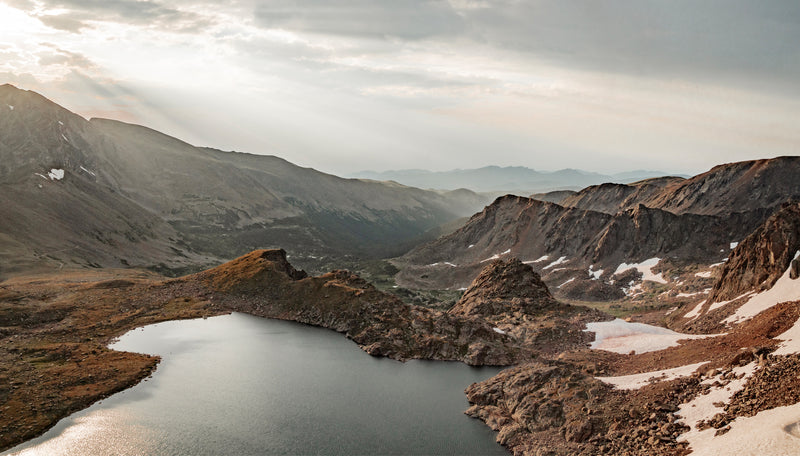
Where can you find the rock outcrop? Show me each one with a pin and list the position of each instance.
(763, 257)
(263, 283)
(505, 287)
(511, 296)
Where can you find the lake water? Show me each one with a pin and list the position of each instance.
(243, 385)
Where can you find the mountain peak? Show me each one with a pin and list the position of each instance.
(253, 271)
(502, 287)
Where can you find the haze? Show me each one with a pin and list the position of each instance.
(347, 85)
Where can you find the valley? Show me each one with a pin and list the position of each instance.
(647, 317)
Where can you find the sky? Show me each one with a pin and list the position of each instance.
(350, 85)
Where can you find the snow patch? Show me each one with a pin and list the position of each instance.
(595, 274)
(695, 312)
(702, 407)
(568, 281)
(785, 289)
(498, 330)
(636, 381)
(791, 340)
(561, 260)
(773, 432)
(61, 123)
(471, 246)
(10, 108)
(496, 256)
(93, 174)
(620, 336)
(56, 174)
(42, 176)
(450, 264)
(704, 274)
(734, 245)
(645, 267)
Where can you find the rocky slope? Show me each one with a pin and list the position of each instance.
(763, 257)
(131, 195)
(512, 297)
(584, 245)
(612, 198)
(571, 247)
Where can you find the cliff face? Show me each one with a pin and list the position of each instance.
(763, 257)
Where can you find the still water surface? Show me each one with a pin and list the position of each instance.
(243, 385)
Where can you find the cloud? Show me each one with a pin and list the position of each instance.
(76, 15)
(66, 22)
(66, 58)
(405, 19)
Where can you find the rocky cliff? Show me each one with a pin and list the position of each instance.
(763, 256)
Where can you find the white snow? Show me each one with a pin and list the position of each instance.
(450, 264)
(540, 259)
(791, 341)
(61, 123)
(11, 108)
(774, 432)
(93, 174)
(704, 274)
(498, 330)
(717, 305)
(636, 381)
(568, 281)
(496, 256)
(695, 312)
(702, 407)
(734, 245)
(646, 268)
(595, 274)
(620, 336)
(563, 259)
(471, 246)
(785, 289)
(433, 264)
(42, 176)
(56, 174)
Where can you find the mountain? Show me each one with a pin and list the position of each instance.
(512, 179)
(581, 245)
(107, 193)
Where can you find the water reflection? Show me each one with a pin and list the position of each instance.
(243, 385)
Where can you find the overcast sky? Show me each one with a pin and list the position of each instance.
(348, 85)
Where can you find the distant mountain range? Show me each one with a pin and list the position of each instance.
(102, 193)
(518, 180)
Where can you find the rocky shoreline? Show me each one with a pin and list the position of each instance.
(54, 332)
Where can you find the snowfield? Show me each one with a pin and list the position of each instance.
(785, 289)
(636, 381)
(562, 259)
(645, 267)
(620, 336)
